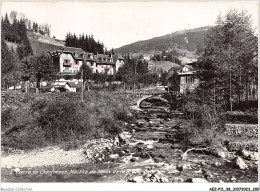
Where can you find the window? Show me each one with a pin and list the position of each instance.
(185, 69)
(66, 62)
(189, 79)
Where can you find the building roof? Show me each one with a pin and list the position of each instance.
(72, 84)
(77, 53)
(117, 57)
(104, 59)
(73, 49)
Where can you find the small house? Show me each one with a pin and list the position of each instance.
(183, 79)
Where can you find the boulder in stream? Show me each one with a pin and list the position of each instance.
(136, 179)
(113, 156)
(239, 163)
(249, 155)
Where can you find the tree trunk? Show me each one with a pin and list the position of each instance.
(247, 90)
(230, 91)
(38, 85)
(26, 86)
(88, 86)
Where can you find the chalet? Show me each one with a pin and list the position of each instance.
(118, 60)
(183, 79)
(105, 64)
(63, 86)
(68, 61)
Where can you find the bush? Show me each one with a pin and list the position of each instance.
(206, 126)
(26, 139)
(47, 118)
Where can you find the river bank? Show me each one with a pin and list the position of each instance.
(152, 152)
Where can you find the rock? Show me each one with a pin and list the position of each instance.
(164, 179)
(16, 171)
(133, 159)
(156, 177)
(207, 174)
(219, 152)
(202, 163)
(126, 134)
(198, 171)
(197, 180)
(233, 179)
(239, 163)
(156, 160)
(122, 153)
(161, 156)
(221, 181)
(153, 179)
(144, 155)
(249, 155)
(179, 180)
(149, 146)
(139, 148)
(183, 166)
(127, 151)
(254, 156)
(122, 138)
(137, 179)
(256, 163)
(116, 141)
(151, 122)
(148, 175)
(217, 164)
(113, 156)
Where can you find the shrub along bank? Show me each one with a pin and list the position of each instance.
(35, 120)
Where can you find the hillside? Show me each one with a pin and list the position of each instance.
(40, 43)
(182, 40)
(161, 65)
(43, 44)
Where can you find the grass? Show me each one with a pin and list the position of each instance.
(35, 120)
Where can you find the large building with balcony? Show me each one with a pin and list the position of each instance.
(68, 61)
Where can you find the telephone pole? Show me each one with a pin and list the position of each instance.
(82, 89)
(135, 63)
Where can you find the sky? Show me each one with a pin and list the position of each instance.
(120, 23)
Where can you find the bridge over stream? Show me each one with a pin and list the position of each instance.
(139, 96)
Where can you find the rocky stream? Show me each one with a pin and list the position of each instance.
(150, 151)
